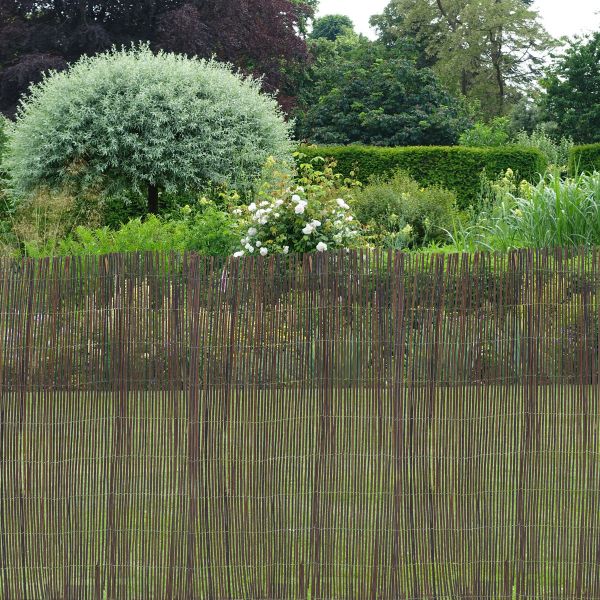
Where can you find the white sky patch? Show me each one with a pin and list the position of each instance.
(560, 17)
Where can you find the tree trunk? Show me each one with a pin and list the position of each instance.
(152, 199)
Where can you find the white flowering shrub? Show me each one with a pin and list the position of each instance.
(306, 214)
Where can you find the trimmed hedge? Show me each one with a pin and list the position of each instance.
(584, 159)
(453, 167)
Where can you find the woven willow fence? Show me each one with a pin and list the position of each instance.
(353, 425)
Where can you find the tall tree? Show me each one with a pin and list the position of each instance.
(331, 27)
(261, 37)
(572, 87)
(360, 91)
(489, 50)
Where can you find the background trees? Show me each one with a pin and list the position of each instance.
(331, 27)
(490, 50)
(362, 91)
(572, 85)
(259, 36)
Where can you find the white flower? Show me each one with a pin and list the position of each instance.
(300, 189)
(342, 204)
(299, 210)
(258, 243)
(315, 223)
(277, 215)
(337, 223)
(249, 248)
(308, 229)
(252, 207)
(264, 203)
(278, 202)
(252, 231)
(286, 249)
(237, 211)
(264, 252)
(238, 254)
(350, 218)
(321, 246)
(296, 199)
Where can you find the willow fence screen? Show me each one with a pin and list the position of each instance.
(336, 426)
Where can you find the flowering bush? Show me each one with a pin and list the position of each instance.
(304, 216)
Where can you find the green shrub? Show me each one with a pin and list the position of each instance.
(3, 199)
(306, 214)
(204, 229)
(487, 135)
(454, 168)
(130, 120)
(584, 159)
(3, 135)
(399, 212)
(554, 212)
(556, 152)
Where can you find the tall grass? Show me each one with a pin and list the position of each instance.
(554, 212)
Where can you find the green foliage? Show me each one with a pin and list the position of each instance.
(129, 120)
(3, 135)
(584, 159)
(554, 212)
(489, 50)
(573, 90)
(46, 217)
(303, 215)
(556, 152)
(3, 182)
(399, 212)
(492, 134)
(360, 91)
(331, 27)
(498, 133)
(453, 168)
(203, 229)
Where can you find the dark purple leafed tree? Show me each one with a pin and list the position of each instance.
(258, 36)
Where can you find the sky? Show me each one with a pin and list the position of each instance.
(579, 16)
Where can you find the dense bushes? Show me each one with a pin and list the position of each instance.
(454, 168)
(399, 213)
(3, 140)
(304, 214)
(203, 229)
(584, 158)
(130, 121)
(554, 212)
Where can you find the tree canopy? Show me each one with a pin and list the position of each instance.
(360, 91)
(572, 86)
(258, 36)
(331, 27)
(133, 120)
(490, 50)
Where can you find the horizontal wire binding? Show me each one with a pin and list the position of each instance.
(347, 425)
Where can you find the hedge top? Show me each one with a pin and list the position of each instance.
(454, 167)
(584, 158)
